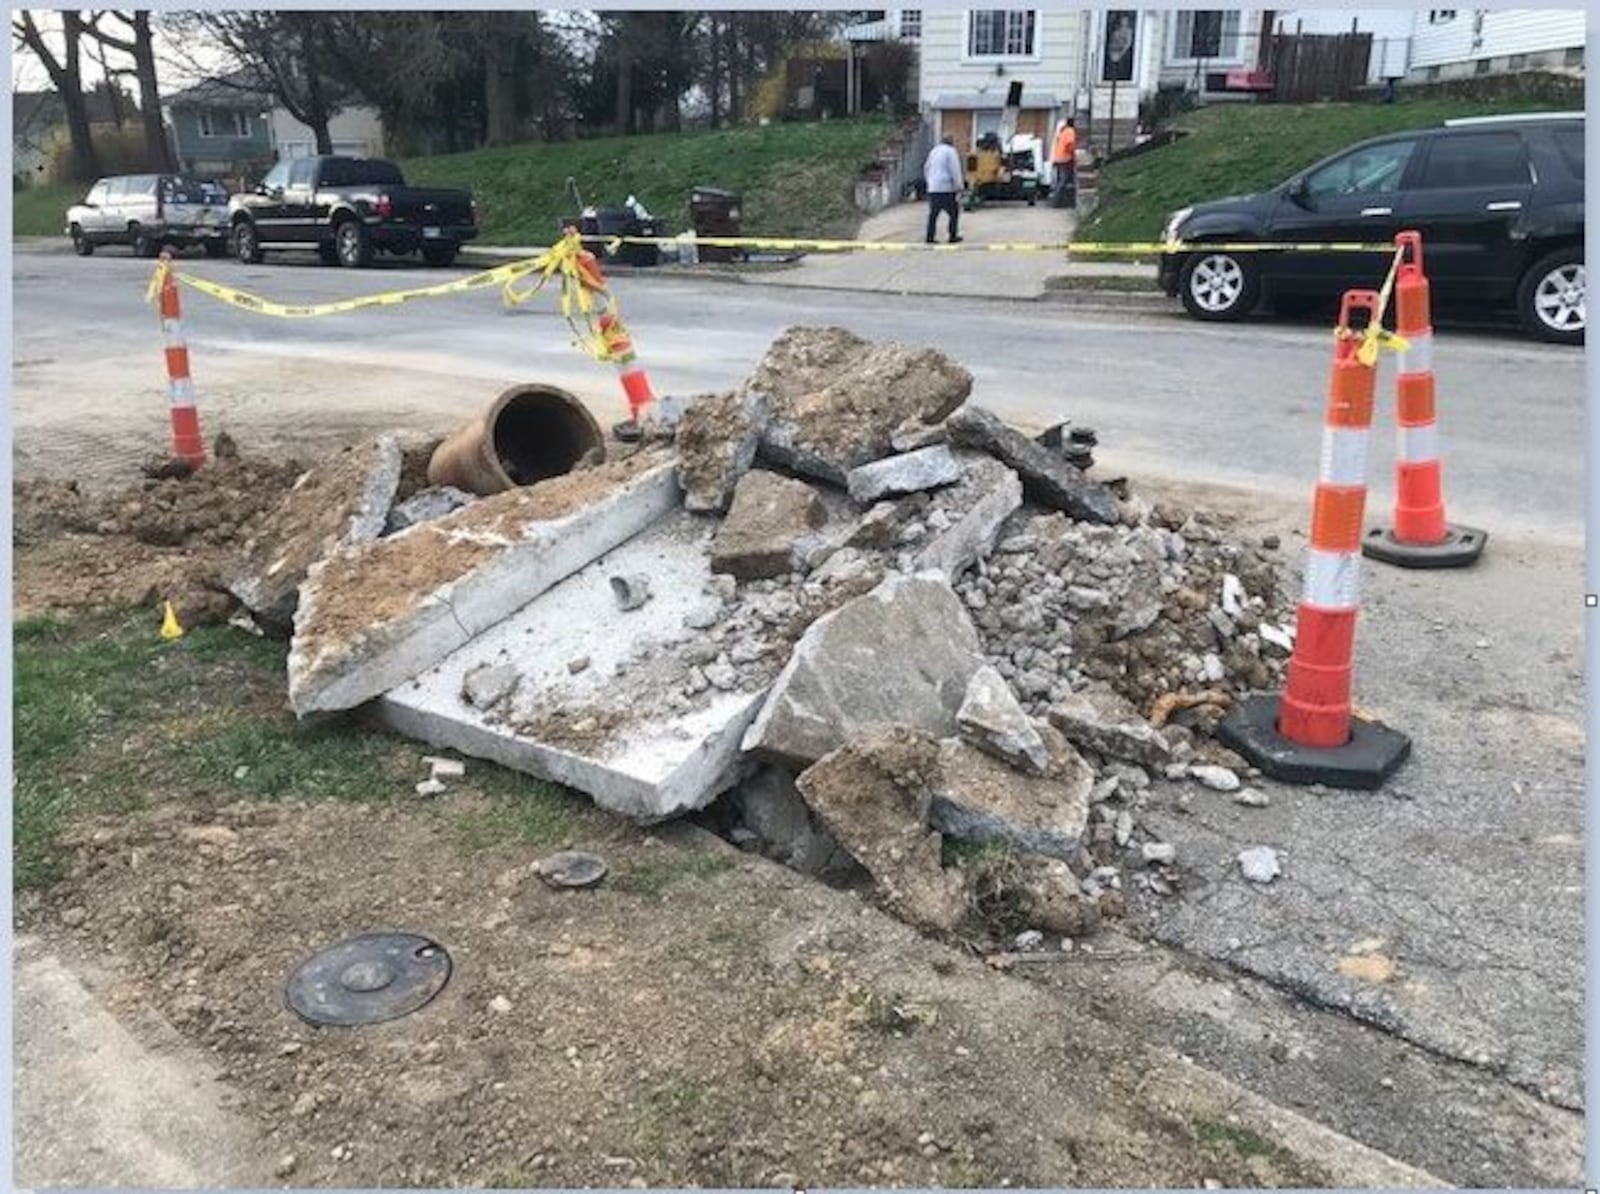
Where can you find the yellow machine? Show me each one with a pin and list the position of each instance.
(1005, 165)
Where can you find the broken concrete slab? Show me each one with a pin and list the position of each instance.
(900, 655)
(372, 617)
(343, 501)
(978, 798)
(973, 535)
(992, 719)
(836, 399)
(766, 530)
(716, 440)
(1047, 478)
(910, 472)
(619, 729)
(1100, 720)
(858, 792)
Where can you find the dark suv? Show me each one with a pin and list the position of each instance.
(1498, 200)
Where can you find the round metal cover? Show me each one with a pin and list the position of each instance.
(368, 979)
(572, 868)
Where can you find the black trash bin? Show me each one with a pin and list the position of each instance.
(716, 212)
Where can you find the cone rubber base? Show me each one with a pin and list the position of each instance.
(1461, 547)
(1372, 755)
(628, 431)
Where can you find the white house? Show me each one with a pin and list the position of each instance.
(1451, 43)
(356, 132)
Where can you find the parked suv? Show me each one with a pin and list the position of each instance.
(145, 211)
(1498, 200)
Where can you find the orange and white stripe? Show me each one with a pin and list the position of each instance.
(186, 441)
(1419, 516)
(1315, 707)
(635, 381)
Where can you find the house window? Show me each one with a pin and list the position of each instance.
(1481, 66)
(224, 124)
(1574, 56)
(1433, 74)
(911, 24)
(1438, 16)
(1000, 33)
(1517, 62)
(1208, 34)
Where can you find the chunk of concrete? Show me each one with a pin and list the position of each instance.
(612, 730)
(1047, 478)
(1053, 900)
(341, 502)
(425, 505)
(911, 472)
(486, 685)
(992, 719)
(858, 793)
(973, 535)
(836, 400)
(630, 592)
(908, 437)
(768, 528)
(374, 616)
(717, 440)
(900, 655)
(771, 807)
(1100, 720)
(978, 798)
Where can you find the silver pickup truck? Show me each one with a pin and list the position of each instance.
(146, 211)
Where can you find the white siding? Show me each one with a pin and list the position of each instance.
(1503, 32)
(1055, 66)
(354, 131)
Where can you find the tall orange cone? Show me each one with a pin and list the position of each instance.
(1421, 536)
(186, 442)
(1308, 734)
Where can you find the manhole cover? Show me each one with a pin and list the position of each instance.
(572, 868)
(368, 979)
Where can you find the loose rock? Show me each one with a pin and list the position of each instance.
(1259, 864)
(1046, 477)
(991, 719)
(631, 592)
(716, 441)
(486, 685)
(1099, 720)
(1218, 779)
(926, 468)
(771, 518)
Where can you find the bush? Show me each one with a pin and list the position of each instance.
(121, 151)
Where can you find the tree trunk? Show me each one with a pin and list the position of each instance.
(67, 75)
(625, 122)
(158, 150)
(500, 92)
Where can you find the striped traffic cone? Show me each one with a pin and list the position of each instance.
(186, 442)
(1307, 735)
(635, 381)
(1421, 537)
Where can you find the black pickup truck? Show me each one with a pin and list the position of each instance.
(348, 209)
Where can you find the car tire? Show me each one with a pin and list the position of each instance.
(142, 243)
(215, 248)
(81, 244)
(1219, 287)
(1551, 299)
(246, 244)
(352, 245)
(440, 255)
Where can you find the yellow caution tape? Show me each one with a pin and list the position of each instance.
(1375, 336)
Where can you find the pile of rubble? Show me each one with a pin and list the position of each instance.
(876, 630)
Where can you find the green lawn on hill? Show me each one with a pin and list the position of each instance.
(1235, 149)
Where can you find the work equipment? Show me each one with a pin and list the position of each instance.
(1007, 165)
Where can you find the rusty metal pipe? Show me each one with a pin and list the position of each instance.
(530, 433)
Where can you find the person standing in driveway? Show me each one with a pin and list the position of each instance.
(1064, 161)
(942, 172)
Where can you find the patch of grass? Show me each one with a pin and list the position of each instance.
(891, 1013)
(796, 179)
(42, 210)
(521, 811)
(1229, 1141)
(655, 876)
(1234, 149)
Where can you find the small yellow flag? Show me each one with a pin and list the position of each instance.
(170, 628)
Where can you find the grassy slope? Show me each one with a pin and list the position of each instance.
(42, 211)
(796, 178)
(1234, 149)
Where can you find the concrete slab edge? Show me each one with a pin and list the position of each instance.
(452, 615)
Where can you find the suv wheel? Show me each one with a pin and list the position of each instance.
(81, 244)
(351, 243)
(1219, 286)
(142, 243)
(1551, 297)
(246, 245)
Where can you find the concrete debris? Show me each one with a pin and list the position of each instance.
(1277, 636)
(717, 439)
(340, 503)
(858, 792)
(767, 528)
(770, 807)
(901, 655)
(973, 535)
(630, 592)
(978, 798)
(1029, 939)
(1159, 853)
(1251, 798)
(1103, 722)
(912, 472)
(486, 685)
(1046, 477)
(1259, 864)
(908, 437)
(1233, 595)
(992, 720)
(836, 399)
(374, 616)
(425, 505)
(1053, 900)
(430, 787)
(1218, 779)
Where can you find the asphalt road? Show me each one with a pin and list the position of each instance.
(1225, 405)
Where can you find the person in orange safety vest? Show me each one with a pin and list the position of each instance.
(1064, 161)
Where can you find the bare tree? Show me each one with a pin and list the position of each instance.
(66, 74)
(136, 40)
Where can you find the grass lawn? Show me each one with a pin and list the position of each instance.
(42, 211)
(796, 179)
(110, 719)
(1235, 149)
